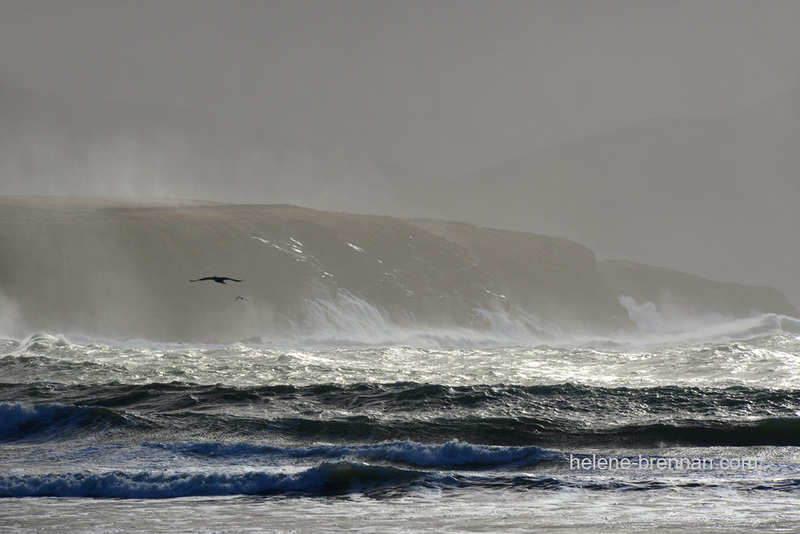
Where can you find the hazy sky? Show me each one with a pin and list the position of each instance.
(439, 86)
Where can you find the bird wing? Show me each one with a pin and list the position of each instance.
(231, 279)
(201, 279)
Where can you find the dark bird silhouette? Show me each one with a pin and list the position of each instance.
(217, 279)
(242, 298)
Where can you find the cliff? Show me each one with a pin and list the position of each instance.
(122, 268)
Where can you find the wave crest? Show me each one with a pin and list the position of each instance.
(325, 478)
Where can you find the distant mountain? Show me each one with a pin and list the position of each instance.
(716, 197)
(122, 268)
(68, 145)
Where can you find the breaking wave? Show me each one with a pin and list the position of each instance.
(324, 479)
(653, 326)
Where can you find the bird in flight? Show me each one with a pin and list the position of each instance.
(242, 298)
(217, 279)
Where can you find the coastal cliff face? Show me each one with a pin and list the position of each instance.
(121, 268)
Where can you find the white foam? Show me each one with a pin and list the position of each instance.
(653, 327)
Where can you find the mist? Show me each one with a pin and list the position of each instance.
(660, 132)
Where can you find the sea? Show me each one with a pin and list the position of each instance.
(693, 430)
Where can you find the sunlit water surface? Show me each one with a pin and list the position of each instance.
(100, 436)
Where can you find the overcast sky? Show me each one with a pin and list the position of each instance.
(439, 86)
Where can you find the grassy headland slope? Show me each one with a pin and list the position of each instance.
(121, 268)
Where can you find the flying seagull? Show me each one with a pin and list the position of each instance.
(217, 279)
(242, 298)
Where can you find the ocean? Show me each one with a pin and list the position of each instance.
(681, 431)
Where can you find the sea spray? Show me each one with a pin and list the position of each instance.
(222, 436)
